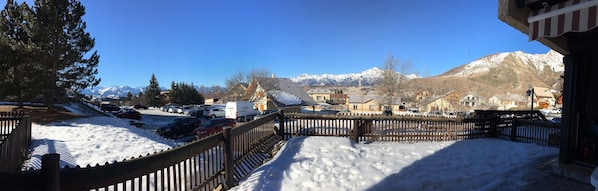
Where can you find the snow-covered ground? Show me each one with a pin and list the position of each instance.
(333, 163)
(312, 163)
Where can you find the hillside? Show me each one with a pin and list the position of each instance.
(512, 72)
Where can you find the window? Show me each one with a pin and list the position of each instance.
(354, 106)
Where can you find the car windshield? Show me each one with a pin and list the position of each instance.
(175, 121)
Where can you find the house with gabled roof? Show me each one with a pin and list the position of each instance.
(278, 94)
(543, 97)
(446, 102)
(507, 101)
(472, 100)
(321, 95)
(363, 103)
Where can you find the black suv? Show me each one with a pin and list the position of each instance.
(179, 127)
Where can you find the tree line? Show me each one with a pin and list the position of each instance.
(44, 51)
(180, 93)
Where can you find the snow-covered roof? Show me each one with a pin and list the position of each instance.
(285, 93)
(360, 98)
(510, 97)
(319, 91)
(542, 92)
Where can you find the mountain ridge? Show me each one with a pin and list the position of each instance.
(504, 72)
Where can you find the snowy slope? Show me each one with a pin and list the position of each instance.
(552, 60)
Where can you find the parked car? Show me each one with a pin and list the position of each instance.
(173, 109)
(129, 114)
(328, 112)
(264, 113)
(109, 108)
(179, 126)
(214, 111)
(183, 109)
(240, 111)
(213, 126)
(139, 106)
(387, 112)
(198, 110)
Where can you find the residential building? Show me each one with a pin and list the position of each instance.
(363, 103)
(543, 98)
(319, 94)
(278, 94)
(507, 101)
(338, 99)
(447, 102)
(422, 95)
(472, 101)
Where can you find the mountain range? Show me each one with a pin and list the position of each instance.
(497, 73)
(365, 78)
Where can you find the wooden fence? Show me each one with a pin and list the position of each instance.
(221, 159)
(520, 126)
(380, 128)
(15, 136)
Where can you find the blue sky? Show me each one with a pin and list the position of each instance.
(206, 41)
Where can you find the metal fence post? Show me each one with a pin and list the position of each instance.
(51, 171)
(514, 130)
(493, 123)
(229, 159)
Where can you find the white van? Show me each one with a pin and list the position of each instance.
(240, 110)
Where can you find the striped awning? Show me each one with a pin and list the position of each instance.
(568, 16)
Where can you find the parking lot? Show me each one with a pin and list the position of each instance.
(153, 118)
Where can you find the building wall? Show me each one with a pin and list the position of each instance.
(440, 104)
(369, 106)
(320, 97)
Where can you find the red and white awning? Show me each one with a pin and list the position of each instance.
(569, 16)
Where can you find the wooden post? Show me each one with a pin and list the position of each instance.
(229, 158)
(51, 171)
(281, 121)
(356, 130)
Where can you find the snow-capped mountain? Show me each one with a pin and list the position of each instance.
(509, 72)
(365, 78)
(539, 62)
(113, 91)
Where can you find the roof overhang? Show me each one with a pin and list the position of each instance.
(549, 23)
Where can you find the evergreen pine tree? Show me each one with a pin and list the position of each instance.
(18, 69)
(60, 33)
(152, 93)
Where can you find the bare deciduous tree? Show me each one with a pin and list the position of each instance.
(237, 84)
(390, 82)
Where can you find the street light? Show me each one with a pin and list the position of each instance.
(530, 92)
